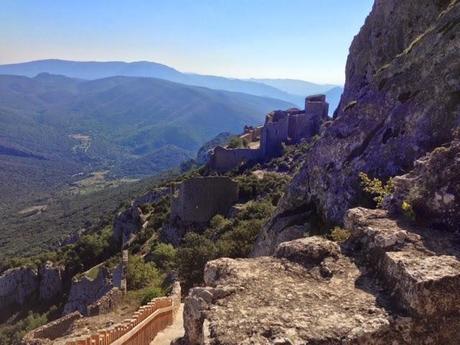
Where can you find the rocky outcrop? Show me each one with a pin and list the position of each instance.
(130, 221)
(401, 100)
(388, 284)
(127, 224)
(432, 190)
(86, 292)
(20, 285)
(50, 281)
(17, 286)
(420, 266)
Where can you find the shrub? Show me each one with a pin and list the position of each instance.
(252, 187)
(376, 188)
(164, 256)
(257, 210)
(89, 251)
(141, 274)
(150, 294)
(339, 234)
(192, 257)
(407, 209)
(240, 240)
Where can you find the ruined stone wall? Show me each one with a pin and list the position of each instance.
(228, 159)
(106, 303)
(298, 126)
(51, 331)
(274, 133)
(199, 199)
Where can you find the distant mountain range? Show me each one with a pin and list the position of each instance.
(53, 127)
(289, 90)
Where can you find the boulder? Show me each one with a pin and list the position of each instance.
(308, 251)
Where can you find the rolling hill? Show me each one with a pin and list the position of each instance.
(290, 90)
(56, 130)
(91, 70)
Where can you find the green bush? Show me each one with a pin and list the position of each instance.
(141, 274)
(164, 256)
(192, 256)
(408, 210)
(223, 238)
(240, 240)
(376, 188)
(251, 187)
(150, 294)
(13, 334)
(90, 250)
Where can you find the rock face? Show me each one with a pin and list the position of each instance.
(20, 285)
(129, 222)
(50, 281)
(85, 292)
(389, 284)
(401, 100)
(17, 285)
(432, 189)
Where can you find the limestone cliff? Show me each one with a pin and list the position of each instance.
(21, 285)
(401, 100)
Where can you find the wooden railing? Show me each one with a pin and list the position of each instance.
(142, 328)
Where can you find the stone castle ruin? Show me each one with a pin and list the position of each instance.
(281, 127)
(195, 201)
(198, 199)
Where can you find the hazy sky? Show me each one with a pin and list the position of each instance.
(300, 39)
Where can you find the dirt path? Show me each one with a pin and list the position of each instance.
(174, 331)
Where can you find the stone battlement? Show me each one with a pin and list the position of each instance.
(281, 127)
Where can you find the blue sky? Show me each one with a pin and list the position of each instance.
(299, 39)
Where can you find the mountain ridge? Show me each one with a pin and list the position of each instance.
(101, 69)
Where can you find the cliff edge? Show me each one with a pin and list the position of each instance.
(401, 101)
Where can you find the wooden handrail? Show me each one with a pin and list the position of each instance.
(140, 327)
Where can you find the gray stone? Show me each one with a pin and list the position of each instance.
(50, 281)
